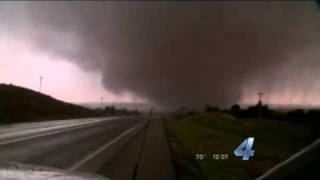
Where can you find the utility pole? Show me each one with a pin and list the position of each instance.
(150, 114)
(40, 85)
(101, 102)
(260, 94)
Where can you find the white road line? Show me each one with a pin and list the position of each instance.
(23, 127)
(53, 130)
(101, 148)
(5, 142)
(18, 132)
(43, 129)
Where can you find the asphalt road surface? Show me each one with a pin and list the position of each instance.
(78, 145)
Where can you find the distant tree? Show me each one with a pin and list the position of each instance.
(192, 113)
(136, 112)
(297, 115)
(209, 108)
(111, 110)
(182, 110)
(313, 119)
(123, 111)
(235, 109)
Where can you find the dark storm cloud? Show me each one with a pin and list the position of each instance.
(188, 53)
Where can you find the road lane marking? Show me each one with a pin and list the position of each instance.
(13, 129)
(57, 131)
(103, 148)
(44, 129)
(17, 132)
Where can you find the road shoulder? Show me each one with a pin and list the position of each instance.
(155, 162)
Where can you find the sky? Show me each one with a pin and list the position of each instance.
(60, 78)
(168, 53)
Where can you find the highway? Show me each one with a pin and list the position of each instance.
(77, 145)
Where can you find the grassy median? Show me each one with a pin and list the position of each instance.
(219, 133)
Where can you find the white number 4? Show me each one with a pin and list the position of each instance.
(245, 149)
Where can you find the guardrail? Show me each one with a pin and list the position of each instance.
(294, 164)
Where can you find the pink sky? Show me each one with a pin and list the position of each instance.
(22, 66)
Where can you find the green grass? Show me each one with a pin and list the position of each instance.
(221, 134)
